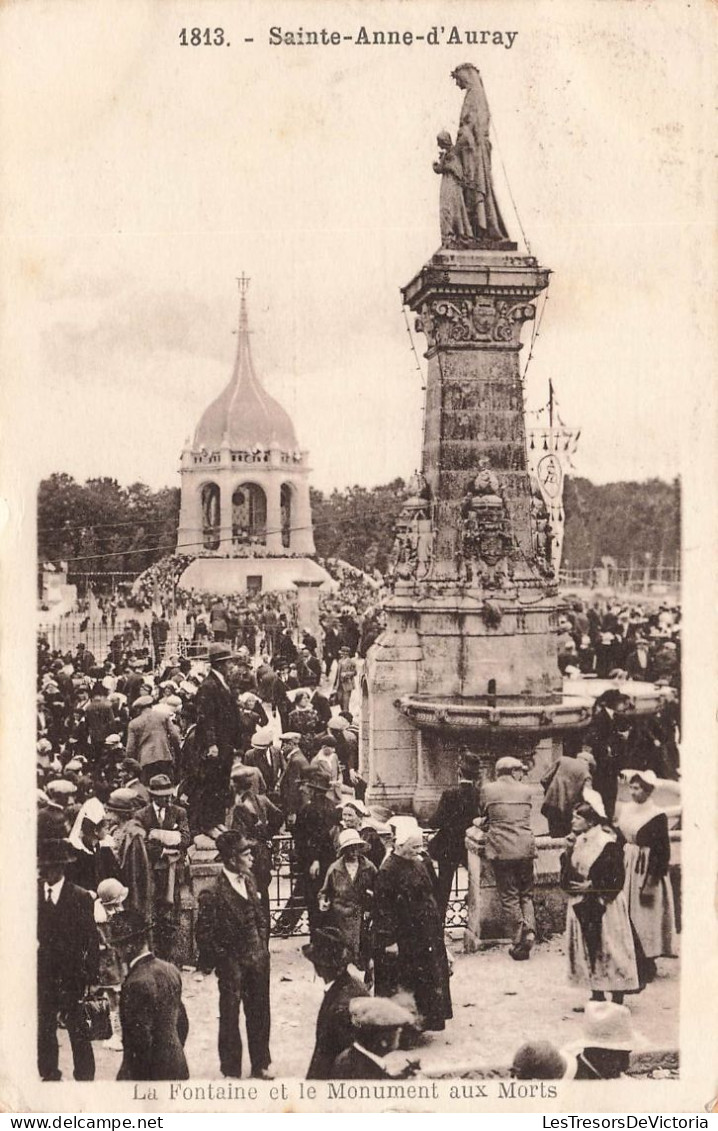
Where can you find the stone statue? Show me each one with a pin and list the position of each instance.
(453, 217)
(473, 151)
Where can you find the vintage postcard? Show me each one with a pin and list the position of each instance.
(358, 534)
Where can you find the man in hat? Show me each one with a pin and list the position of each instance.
(378, 1023)
(295, 765)
(152, 739)
(266, 757)
(217, 737)
(313, 839)
(168, 838)
(255, 815)
(56, 819)
(129, 839)
(67, 961)
(457, 808)
(606, 744)
(334, 1033)
(409, 949)
(233, 939)
(152, 1014)
(563, 784)
(511, 848)
(345, 677)
(99, 720)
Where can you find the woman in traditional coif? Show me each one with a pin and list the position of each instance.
(599, 940)
(647, 854)
(94, 859)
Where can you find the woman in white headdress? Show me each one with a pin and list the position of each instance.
(599, 939)
(94, 859)
(647, 854)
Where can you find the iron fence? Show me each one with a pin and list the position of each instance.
(287, 906)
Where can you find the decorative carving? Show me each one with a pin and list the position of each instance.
(447, 322)
(412, 551)
(486, 553)
(541, 533)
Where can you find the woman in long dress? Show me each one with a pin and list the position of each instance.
(347, 894)
(647, 855)
(599, 940)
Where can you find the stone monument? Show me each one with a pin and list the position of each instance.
(469, 655)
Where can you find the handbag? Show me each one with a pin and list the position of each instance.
(95, 1014)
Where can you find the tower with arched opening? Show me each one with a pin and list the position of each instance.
(245, 512)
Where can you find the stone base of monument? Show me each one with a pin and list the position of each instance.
(485, 926)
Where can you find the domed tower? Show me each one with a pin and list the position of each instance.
(245, 489)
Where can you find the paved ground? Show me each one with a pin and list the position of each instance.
(497, 1005)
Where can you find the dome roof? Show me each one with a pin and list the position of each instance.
(244, 415)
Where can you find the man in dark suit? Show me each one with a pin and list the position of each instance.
(373, 1054)
(168, 838)
(313, 839)
(233, 939)
(217, 738)
(329, 955)
(268, 760)
(458, 806)
(153, 1017)
(322, 706)
(67, 962)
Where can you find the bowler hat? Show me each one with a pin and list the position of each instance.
(327, 943)
(316, 777)
(54, 851)
(127, 926)
(161, 786)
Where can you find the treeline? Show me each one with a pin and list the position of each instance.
(102, 527)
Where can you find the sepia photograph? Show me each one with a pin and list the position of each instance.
(358, 484)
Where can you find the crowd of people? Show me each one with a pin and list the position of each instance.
(144, 758)
(608, 639)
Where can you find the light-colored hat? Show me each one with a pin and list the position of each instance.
(349, 837)
(507, 764)
(262, 737)
(61, 785)
(113, 740)
(353, 803)
(378, 1013)
(405, 828)
(607, 1025)
(593, 798)
(290, 736)
(112, 891)
(338, 722)
(648, 777)
(123, 801)
(143, 701)
(44, 747)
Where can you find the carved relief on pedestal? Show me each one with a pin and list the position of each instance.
(541, 534)
(457, 321)
(486, 545)
(413, 540)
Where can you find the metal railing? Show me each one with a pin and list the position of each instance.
(287, 908)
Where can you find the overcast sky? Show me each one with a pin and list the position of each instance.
(142, 177)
